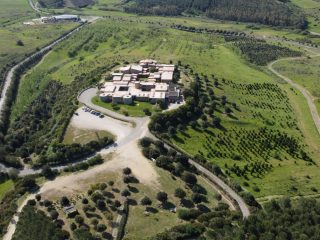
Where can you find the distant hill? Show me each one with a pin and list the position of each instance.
(269, 12)
(65, 3)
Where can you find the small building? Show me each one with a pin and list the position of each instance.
(118, 97)
(157, 96)
(148, 63)
(70, 210)
(161, 87)
(106, 97)
(167, 77)
(67, 17)
(147, 86)
(125, 70)
(127, 78)
(136, 69)
(143, 96)
(127, 99)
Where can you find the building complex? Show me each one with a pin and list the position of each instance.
(147, 81)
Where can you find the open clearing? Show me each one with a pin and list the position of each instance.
(86, 121)
(127, 156)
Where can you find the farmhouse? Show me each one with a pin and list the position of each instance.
(147, 81)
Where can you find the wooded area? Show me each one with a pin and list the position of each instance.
(269, 12)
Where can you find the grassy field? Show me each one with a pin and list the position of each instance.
(312, 10)
(14, 10)
(135, 110)
(5, 187)
(81, 136)
(305, 72)
(12, 30)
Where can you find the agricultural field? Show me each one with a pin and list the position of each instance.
(305, 72)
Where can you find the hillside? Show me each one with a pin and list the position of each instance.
(269, 12)
(65, 3)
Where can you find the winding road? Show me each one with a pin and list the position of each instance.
(308, 96)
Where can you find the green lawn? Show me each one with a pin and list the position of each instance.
(5, 187)
(135, 110)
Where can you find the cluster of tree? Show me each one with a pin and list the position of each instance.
(97, 160)
(65, 3)
(8, 205)
(269, 12)
(44, 122)
(261, 53)
(278, 220)
(34, 224)
(62, 154)
(225, 33)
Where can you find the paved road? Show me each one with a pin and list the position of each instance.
(231, 193)
(306, 93)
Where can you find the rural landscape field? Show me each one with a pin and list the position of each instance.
(159, 119)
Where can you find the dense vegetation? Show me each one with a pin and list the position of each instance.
(261, 53)
(268, 12)
(65, 3)
(282, 220)
(45, 121)
(8, 204)
(35, 225)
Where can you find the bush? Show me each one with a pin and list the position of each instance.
(162, 197)
(146, 201)
(189, 178)
(126, 171)
(101, 227)
(188, 214)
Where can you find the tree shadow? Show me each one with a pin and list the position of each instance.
(168, 205)
(203, 208)
(152, 210)
(132, 202)
(133, 189)
(178, 139)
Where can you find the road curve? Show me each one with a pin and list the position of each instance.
(308, 96)
(221, 184)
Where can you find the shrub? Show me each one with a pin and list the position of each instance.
(188, 214)
(162, 197)
(146, 201)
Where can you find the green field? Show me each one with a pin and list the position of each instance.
(5, 187)
(135, 110)
(14, 10)
(305, 72)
